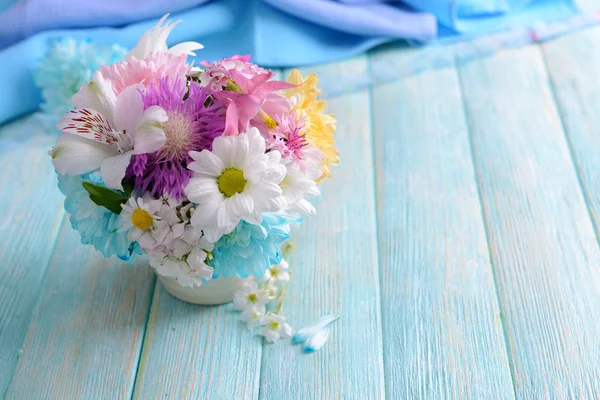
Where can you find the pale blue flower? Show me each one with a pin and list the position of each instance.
(67, 66)
(97, 225)
(251, 249)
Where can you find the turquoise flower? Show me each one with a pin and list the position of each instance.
(97, 225)
(251, 249)
(67, 66)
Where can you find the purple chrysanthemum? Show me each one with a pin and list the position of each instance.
(192, 125)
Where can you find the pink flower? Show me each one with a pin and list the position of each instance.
(148, 71)
(217, 73)
(253, 102)
(288, 138)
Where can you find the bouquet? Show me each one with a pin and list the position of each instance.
(201, 168)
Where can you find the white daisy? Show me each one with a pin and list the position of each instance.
(250, 296)
(140, 217)
(155, 40)
(277, 273)
(274, 328)
(236, 181)
(252, 315)
(104, 131)
(296, 185)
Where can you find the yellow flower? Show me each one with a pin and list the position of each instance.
(319, 126)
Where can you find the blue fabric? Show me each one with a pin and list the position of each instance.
(274, 32)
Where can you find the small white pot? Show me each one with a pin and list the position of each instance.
(216, 291)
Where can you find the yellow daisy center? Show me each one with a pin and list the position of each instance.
(252, 298)
(141, 219)
(273, 271)
(231, 182)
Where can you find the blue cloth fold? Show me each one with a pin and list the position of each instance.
(274, 32)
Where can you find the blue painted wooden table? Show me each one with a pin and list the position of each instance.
(458, 239)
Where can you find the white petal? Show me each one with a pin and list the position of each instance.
(206, 163)
(316, 341)
(305, 206)
(154, 39)
(311, 329)
(203, 191)
(221, 147)
(97, 95)
(75, 155)
(86, 123)
(129, 108)
(113, 170)
(256, 142)
(150, 135)
(225, 220)
(239, 152)
(185, 48)
(243, 204)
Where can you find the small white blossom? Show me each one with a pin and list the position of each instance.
(252, 315)
(250, 296)
(274, 328)
(277, 273)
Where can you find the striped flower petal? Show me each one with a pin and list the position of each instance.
(306, 332)
(316, 341)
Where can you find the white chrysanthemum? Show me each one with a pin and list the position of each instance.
(236, 181)
(296, 185)
(274, 328)
(140, 217)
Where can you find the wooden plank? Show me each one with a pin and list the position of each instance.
(31, 218)
(197, 352)
(544, 251)
(86, 333)
(573, 64)
(335, 266)
(442, 330)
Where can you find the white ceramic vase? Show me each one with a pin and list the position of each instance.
(216, 291)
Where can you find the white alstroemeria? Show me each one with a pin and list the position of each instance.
(274, 328)
(105, 130)
(250, 296)
(252, 315)
(277, 273)
(298, 184)
(236, 181)
(140, 218)
(155, 40)
(190, 271)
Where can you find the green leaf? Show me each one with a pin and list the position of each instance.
(105, 197)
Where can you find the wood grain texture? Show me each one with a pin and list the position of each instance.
(544, 251)
(197, 352)
(31, 217)
(442, 332)
(86, 333)
(573, 64)
(335, 266)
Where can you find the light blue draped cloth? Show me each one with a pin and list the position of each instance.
(274, 32)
